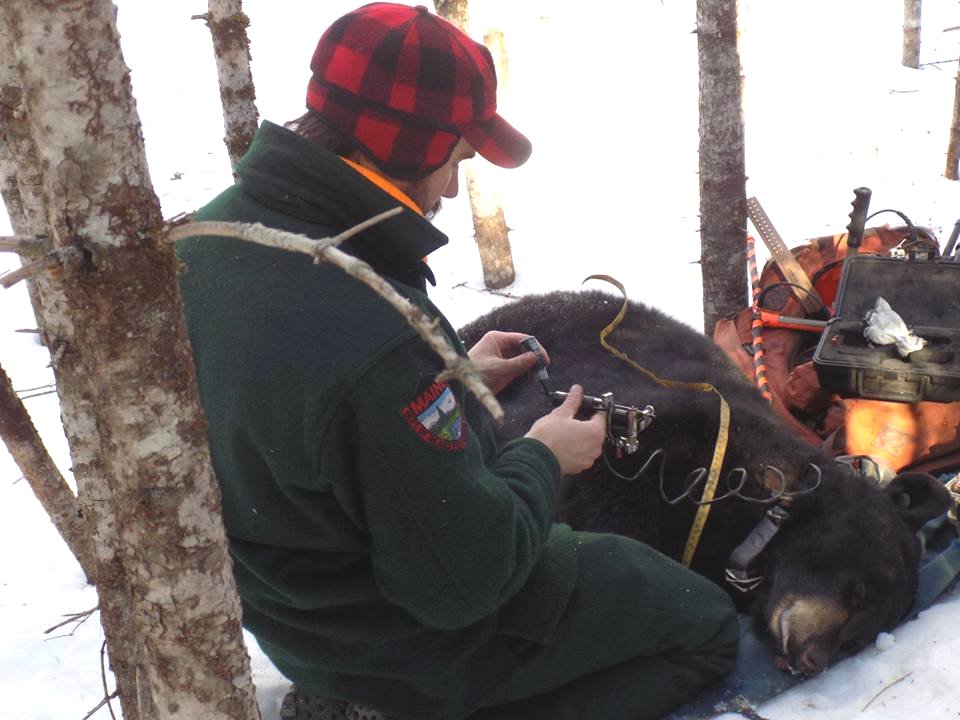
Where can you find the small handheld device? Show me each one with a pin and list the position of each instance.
(531, 344)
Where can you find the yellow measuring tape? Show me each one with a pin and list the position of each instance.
(723, 434)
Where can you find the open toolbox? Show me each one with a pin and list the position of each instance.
(926, 294)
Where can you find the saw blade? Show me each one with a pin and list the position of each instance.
(783, 257)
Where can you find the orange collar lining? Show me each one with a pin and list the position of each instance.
(381, 182)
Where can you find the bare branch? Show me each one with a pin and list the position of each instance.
(26, 447)
(107, 695)
(23, 244)
(79, 618)
(105, 701)
(263, 235)
(457, 366)
(37, 394)
(8, 280)
(50, 262)
(895, 682)
(46, 386)
(489, 291)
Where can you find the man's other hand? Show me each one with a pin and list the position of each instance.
(500, 359)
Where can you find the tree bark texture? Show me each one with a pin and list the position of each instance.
(723, 217)
(489, 226)
(228, 27)
(10, 107)
(911, 33)
(952, 171)
(128, 339)
(24, 205)
(23, 194)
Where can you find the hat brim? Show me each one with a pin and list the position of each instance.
(498, 141)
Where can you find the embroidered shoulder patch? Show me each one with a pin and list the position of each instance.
(436, 418)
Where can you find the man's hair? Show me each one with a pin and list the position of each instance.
(310, 126)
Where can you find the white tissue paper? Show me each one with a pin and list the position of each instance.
(885, 327)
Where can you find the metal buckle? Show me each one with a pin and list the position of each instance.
(867, 467)
(741, 581)
(625, 423)
(953, 514)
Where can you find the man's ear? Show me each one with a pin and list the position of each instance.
(919, 497)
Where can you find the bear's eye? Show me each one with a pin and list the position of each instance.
(858, 596)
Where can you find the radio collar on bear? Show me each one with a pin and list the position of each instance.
(740, 571)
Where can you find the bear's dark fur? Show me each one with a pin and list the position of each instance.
(842, 568)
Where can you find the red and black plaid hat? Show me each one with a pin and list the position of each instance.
(405, 85)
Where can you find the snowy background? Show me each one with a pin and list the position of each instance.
(607, 91)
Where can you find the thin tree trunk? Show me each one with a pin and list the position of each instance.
(228, 27)
(26, 448)
(490, 231)
(454, 11)
(497, 45)
(953, 147)
(128, 338)
(489, 225)
(911, 33)
(723, 217)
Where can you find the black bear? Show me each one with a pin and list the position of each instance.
(835, 556)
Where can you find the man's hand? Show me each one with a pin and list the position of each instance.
(500, 359)
(576, 443)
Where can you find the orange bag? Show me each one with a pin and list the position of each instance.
(915, 436)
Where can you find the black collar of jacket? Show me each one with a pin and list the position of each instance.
(295, 176)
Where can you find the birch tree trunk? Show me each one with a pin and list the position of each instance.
(23, 195)
(953, 147)
(120, 306)
(228, 27)
(489, 225)
(723, 217)
(911, 33)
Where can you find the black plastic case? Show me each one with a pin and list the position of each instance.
(926, 294)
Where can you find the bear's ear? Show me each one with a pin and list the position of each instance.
(919, 497)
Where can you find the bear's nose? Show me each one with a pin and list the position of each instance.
(813, 660)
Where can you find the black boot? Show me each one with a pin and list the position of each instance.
(358, 712)
(302, 705)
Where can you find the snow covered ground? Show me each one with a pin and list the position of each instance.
(607, 91)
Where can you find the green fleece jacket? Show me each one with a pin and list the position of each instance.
(386, 549)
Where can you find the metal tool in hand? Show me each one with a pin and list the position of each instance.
(624, 422)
